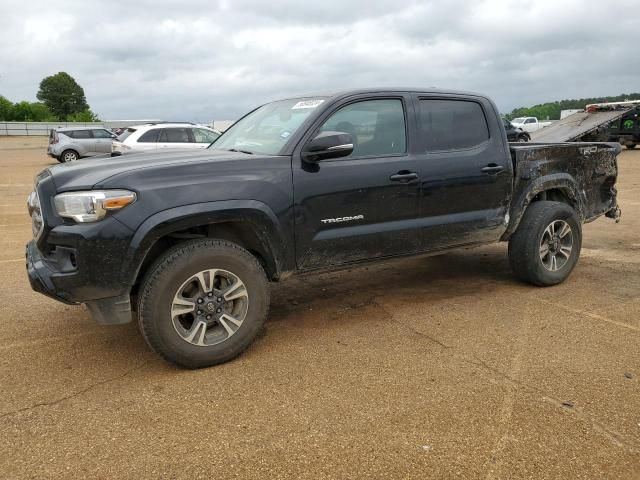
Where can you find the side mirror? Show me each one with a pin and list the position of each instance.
(328, 145)
(114, 136)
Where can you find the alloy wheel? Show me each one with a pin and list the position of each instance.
(209, 307)
(556, 245)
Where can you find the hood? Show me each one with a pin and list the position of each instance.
(85, 174)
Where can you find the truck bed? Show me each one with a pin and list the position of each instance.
(576, 126)
(583, 172)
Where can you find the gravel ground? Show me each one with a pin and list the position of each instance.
(425, 367)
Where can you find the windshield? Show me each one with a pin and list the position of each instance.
(518, 120)
(267, 129)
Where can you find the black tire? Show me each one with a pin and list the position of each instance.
(166, 277)
(68, 156)
(631, 146)
(523, 138)
(525, 243)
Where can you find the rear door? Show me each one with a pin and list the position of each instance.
(364, 205)
(176, 137)
(102, 140)
(465, 171)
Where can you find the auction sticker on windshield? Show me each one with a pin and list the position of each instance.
(307, 104)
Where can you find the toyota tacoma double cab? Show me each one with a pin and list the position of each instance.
(186, 242)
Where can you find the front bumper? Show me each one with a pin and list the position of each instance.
(40, 275)
(44, 278)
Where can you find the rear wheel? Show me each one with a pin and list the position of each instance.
(546, 246)
(631, 146)
(203, 303)
(68, 156)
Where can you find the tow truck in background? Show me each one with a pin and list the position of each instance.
(598, 122)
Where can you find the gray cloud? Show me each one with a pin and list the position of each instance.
(203, 60)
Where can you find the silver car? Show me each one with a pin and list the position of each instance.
(70, 143)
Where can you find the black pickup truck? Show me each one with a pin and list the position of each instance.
(186, 242)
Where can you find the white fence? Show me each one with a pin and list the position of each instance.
(43, 128)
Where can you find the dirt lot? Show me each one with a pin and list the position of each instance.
(432, 367)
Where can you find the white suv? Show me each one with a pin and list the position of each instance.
(157, 136)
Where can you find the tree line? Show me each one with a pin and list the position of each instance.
(551, 110)
(60, 99)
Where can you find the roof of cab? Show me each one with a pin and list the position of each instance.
(364, 91)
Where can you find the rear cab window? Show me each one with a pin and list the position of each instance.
(451, 124)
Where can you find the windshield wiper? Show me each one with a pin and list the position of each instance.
(238, 150)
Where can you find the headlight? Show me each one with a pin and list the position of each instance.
(93, 205)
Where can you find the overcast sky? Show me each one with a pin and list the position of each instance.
(206, 60)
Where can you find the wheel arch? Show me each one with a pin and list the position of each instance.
(70, 148)
(559, 187)
(250, 224)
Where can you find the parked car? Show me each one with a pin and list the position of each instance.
(155, 136)
(186, 242)
(530, 124)
(72, 143)
(515, 134)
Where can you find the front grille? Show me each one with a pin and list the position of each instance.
(33, 204)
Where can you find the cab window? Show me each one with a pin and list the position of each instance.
(174, 135)
(150, 136)
(377, 127)
(100, 133)
(452, 124)
(202, 135)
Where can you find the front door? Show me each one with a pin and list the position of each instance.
(102, 140)
(364, 205)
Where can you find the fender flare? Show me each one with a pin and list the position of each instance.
(256, 213)
(558, 181)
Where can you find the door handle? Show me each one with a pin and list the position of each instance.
(492, 169)
(403, 176)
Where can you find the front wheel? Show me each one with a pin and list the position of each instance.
(203, 303)
(631, 146)
(546, 246)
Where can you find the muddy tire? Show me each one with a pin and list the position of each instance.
(546, 246)
(631, 146)
(203, 302)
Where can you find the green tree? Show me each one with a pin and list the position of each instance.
(62, 95)
(86, 116)
(31, 112)
(6, 109)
